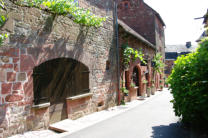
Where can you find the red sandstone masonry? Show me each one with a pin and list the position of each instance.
(40, 45)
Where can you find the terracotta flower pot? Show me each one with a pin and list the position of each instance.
(148, 92)
(153, 89)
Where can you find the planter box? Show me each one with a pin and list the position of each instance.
(153, 89)
(133, 93)
(148, 92)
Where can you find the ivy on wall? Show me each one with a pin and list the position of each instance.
(130, 54)
(60, 7)
(2, 21)
(66, 7)
(159, 65)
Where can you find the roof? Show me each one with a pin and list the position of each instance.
(179, 48)
(157, 14)
(135, 34)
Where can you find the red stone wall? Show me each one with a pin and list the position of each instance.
(139, 17)
(36, 37)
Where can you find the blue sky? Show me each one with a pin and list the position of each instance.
(178, 16)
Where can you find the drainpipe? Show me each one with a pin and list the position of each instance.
(117, 50)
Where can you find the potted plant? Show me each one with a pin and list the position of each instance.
(153, 89)
(161, 87)
(145, 81)
(148, 91)
(125, 91)
(133, 92)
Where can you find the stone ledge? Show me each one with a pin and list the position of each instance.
(79, 96)
(39, 106)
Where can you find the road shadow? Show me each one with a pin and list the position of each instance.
(174, 130)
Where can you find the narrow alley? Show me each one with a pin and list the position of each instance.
(154, 118)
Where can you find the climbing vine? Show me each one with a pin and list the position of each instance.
(130, 54)
(66, 7)
(61, 7)
(2, 21)
(159, 65)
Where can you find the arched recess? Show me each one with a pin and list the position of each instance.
(57, 79)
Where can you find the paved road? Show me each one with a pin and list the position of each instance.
(153, 119)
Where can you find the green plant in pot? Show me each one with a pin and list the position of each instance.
(145, 81)
(133, 85)
(153, 89)
(148, 91)
(161, 87)
(125, 91)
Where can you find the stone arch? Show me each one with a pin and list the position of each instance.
(57, 79)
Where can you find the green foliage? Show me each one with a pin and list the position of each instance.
(158, 63)
(2, 38)
(145, 81)
(131, 54)
(2, 21)
(67, 7)
(133, 85)
(124, 90)
(189, 85)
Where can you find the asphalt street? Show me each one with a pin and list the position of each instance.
(152, 119)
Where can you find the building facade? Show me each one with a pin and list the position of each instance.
(48, 56)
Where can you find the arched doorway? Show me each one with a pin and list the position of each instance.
(136, 78)
(57, 79)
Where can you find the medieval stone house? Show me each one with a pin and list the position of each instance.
(148, 23)
(52, 69)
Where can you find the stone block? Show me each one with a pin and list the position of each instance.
(11, 52)
(21, 76)
(26, 63)
(11, 76)
(16, 67)
(13, 98)
(6, 66)
(9, 25)
(6, 88)
(17, 86)
(5, 59)
(15, 60)
(2, 75)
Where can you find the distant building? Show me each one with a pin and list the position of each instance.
(172, 52)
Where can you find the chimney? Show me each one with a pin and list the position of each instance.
(188, 44)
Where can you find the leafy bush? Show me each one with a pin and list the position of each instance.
(189, 85)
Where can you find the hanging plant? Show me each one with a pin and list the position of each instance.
(66, 7)
(159, 65)
(130, 54)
